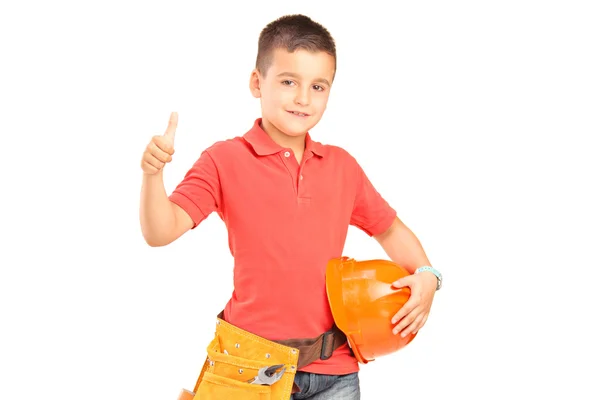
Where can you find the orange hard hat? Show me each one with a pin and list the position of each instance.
(363, 303)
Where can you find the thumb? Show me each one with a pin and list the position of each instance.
(170, 132)
(403, 282)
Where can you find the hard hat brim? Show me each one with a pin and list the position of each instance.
(334, 284)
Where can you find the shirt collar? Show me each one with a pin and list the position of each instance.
(263, 145)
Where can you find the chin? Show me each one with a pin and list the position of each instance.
(297, 128)
(294, 132)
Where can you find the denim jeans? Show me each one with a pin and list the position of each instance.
(327, 387)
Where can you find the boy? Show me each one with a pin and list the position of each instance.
(287, 202)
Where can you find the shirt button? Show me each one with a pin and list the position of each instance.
(301, 177)
(287, 154)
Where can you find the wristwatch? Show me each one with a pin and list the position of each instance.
(434, 271)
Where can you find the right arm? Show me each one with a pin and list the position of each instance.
(162, 221)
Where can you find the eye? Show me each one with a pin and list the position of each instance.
(318, 88)
(287, 82)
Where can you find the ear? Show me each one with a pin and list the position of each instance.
(255, 83)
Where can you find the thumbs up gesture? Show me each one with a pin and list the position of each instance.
(160, 149)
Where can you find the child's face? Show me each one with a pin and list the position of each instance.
(295, 83)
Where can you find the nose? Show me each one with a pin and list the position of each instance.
(302, 97)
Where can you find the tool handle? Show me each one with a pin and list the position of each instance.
(186, 395)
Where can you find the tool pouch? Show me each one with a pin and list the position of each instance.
(234, 357)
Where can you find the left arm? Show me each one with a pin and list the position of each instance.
(403, 248)
(373, 214)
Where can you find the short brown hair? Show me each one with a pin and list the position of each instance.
(292, 32)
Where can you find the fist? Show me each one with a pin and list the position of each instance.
(160, 149)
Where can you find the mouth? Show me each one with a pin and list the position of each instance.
(299, 114)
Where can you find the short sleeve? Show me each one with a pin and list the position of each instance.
(199, 193)
(371, 213)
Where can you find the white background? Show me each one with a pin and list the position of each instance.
(476, 121)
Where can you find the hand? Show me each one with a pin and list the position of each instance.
(414, 312)
(160, 149)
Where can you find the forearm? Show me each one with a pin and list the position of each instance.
(157, 214)
(402, 246)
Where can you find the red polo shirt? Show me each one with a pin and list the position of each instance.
(285, 221)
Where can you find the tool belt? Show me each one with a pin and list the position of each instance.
(235, 356)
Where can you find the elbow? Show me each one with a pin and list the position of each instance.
(153, 241)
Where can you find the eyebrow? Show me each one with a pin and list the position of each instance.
(293, 75)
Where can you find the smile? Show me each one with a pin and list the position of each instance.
(298, 113)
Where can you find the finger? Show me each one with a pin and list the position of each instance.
(406, 321)
(155, 162)
(403, 282)
(164, 144)
(422, 323)
(413, 327)
(407, 308)
(158, 153)
(148, 168)
(170, 132)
